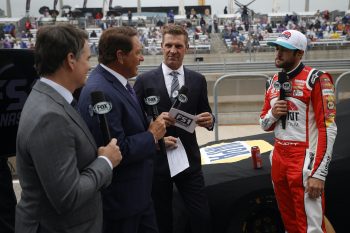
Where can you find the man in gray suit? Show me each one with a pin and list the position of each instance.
(59, 167)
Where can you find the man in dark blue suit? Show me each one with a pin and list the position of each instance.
(168, 78)
(127, 202)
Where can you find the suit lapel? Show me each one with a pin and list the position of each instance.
(188, 80)
(190, 83)
(123, 91)
(74, 115)
(159, 80)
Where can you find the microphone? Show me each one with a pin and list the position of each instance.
(101, 107)
(284, 84)
(181, 97)
(151, 100)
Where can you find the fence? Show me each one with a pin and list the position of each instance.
(215, 93)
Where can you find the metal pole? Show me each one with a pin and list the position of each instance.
(288, 5)
(138, 6)
(307, 3)
(224, 65)
(60, 7)
(215, 93)
(181, 7)
(250, 52)
(337, 83)
(8, 8)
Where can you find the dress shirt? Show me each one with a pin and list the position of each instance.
(169, 78)
(118, 76)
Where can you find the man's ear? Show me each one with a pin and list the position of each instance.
(300, 53)
(120, 55)
(71, 60)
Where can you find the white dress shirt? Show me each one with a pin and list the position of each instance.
(168, 78)
(118, 76)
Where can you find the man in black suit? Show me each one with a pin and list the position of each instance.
(127, 202)
(170, 75)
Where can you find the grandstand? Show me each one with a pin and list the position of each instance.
(322, 32)
(221, 46)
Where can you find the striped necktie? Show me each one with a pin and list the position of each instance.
(175, 85)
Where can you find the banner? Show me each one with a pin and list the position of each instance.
(232, 151)
(17, 75)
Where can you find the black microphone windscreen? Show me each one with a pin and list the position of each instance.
(151, 97)
(282, 78)
(150, 92)
(97, 97)
(183, 90)
(181, 97)
(101, 107)
(151, 100)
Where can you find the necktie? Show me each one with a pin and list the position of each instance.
(74, 104)
(174, 85)
(132, 92)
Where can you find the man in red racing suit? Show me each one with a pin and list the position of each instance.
(303, 149)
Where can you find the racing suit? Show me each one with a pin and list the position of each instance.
(304, 148)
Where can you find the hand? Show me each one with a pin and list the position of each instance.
(315, 187)
(112, 152)
(158, 127)
(169, 120)
(170, 142)
(279, 109)
(205, 119)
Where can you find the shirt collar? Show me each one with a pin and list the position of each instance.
(64, 92)
(291, 74)
(120, 77)
(167, 70)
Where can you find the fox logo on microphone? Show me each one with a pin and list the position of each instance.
(152, 100)
(182, 98)
(102, 107)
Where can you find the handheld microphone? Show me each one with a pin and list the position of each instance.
(284, 84)
(181, 97)
(151, 100)
(101, 107)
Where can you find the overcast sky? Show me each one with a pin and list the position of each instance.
(261, 6)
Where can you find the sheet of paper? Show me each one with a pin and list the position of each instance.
(177, 159)
(183, 119)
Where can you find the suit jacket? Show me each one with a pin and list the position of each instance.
(57, 167)
(130, 191)
(197, 103)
